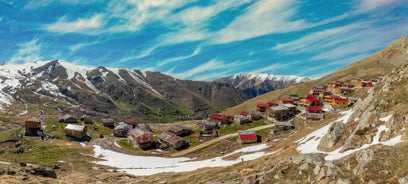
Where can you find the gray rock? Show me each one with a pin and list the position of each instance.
(316, 170)
(403, 180)
(363, 157)
(332, 136)
(43, 172)
(304, 167)
(343, 181)
(321, 174)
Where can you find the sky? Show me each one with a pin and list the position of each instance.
(201, 39)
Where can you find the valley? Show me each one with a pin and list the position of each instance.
(355, 143)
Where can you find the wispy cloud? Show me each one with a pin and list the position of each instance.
(370, 5)
(85, 26)
(271, 69)
(28, 52)
(180, 58)
(33, 4)
(209, 70)
(131, 15)
(261, 18)
(191, 24)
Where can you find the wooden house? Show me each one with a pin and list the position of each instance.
(310, 100)
(140, 137)
(221, 118)
(279, 112)
(340, 102)
(86, 119)
(328, 98)
(244, 113)
(253, 116)
(314, 113)
(295, 98)
(110, 123)
(291, 108)
(318, 90)
(247, 136)
(32, 126)
(333, 85)
(67, 119)
(122, 129)
(286, 101)
(284, 126)
(208, 125)
(364, 83)
(343, 90)
(180, 130)
(261, 107)
(172, 140)
(75, 131)
(240, 119)
(131, 122)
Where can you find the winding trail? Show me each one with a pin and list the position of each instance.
(213, 141)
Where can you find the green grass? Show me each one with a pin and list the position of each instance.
(233, 127)
(124, 143)
(41, 152)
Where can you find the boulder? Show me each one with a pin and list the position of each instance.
(43, 172)
(363, 157)
(332, 136)
(343, 181)
(403, 180)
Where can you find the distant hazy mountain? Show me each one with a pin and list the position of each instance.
(254, 84)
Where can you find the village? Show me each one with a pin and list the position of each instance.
(310, 107)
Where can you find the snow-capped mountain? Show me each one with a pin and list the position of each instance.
(111, 91)
(254, 84)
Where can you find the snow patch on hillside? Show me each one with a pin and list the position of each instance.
(309, 144)
(149, 165)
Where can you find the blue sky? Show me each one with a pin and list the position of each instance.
(201, 39)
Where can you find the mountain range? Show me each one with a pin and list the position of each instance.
(144, 96)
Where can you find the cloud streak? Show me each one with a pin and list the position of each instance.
(84, 26)
(28, 52)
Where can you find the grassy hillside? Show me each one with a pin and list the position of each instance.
(370, 67)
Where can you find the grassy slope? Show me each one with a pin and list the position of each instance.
(370, 67)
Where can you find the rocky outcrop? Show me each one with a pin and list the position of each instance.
(332, 136)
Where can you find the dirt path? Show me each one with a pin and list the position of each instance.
(213, 141)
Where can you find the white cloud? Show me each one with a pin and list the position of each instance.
(28, 52)
(85, 26)
(191, 23)
(180, 58)
(33, 4)
(262, 18)
(131, 15)
(209, 70)
(370, 5)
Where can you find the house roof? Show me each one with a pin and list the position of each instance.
(262, 105)
(340, 99)
(33, 119)
(219, 116)
(314, 109)
(75, 127)
(311, 98)
(247, 135)
(138, 131)
(244, 113)
(288, 105)
(131, 122)
(279, 108)
(123, 125)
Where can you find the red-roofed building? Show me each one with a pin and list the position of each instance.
(309, 100)
(262, 107)
(314, 109)
(131, 122)
(286, 101)
(314, 113)
(222, 118)
(244, 113)
(272, 104)
(339, 102)
(246, 136)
